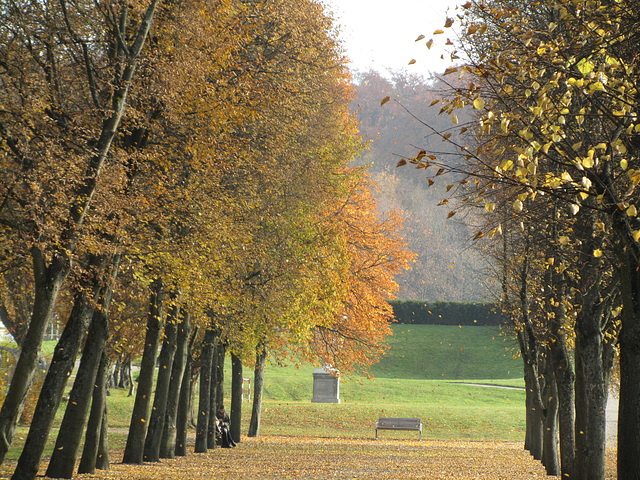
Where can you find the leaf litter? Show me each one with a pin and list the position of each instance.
(277, 457)
(272, 457)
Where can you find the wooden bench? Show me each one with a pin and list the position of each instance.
(392, 423)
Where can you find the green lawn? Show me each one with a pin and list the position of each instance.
(422, 375)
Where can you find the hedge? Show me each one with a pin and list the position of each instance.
(446, 313)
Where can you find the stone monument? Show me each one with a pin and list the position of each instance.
(326, 385)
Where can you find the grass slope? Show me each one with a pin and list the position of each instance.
(422, 375)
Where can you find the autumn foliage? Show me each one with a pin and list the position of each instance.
(187, 157)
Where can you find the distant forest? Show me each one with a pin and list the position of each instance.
(447, 267)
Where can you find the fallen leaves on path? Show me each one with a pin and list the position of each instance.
(319, 458)
(275, 457)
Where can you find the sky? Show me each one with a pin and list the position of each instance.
(381, 34)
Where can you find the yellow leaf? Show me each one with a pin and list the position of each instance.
(430, 44)
(564, 240)
(444, 201)
(412, 61)
(451, 214)
(419, 38)
(517, 206)
(490, 207)
(478, 103)
(636, 235)
(454, 118)
(632, 211)
(597, 253)
(478, 235)
(402, 162)
(624, 164)
(585, 66)
(438, 32)
(385, 100)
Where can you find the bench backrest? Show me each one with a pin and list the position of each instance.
(399, 422)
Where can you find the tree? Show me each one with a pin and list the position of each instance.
(47, 60)
(555, 88)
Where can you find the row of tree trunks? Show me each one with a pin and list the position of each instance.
(165, 368)
(64, 455)
(184, 402)
(92, 456)
(62, 364)
(134, 448)
(204, 400)
(49, 278)
(168, 442)
(121, 377)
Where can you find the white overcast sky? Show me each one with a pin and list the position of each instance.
(381, 34)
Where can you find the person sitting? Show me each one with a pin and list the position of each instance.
(223, 424)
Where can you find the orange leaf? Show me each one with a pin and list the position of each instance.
(385, 100)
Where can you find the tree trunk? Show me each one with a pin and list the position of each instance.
(168, 443)
(591, 389)
(47, 285)
(222, 353)
(128, 377)
(211, 429)
(205, 391)
(165, 367)
(236, 397)
(94, 424)
(565, 381)
(102, 461)
(258, 387)
(115, 377)
(184, 401)
(564, 378)
(61, 366)
(629, 407)
(134, 449)
(550, 436)
(534, 417)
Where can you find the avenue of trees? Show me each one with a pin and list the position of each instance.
(542, 111)
(175, 178)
